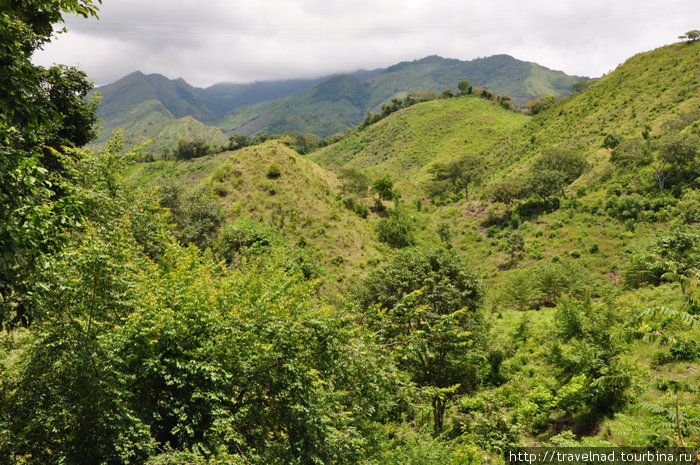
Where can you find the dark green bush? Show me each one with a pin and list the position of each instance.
(684, 351)
(396, 229)
(245, 236)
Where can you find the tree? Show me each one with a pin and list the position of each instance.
(38, 108)
(555, 169)
(354, 181)
(611, 141)
(445, 234)
(580, 86)
(456, 175)
(504, 101)
(384, 188)
(238, 141)
(197, 216)
(506, 191)
(676, 160)
(423, 305)
(679, 251)
(691, 36)
(188, 149)
(515, 243)
(396, 229)
(464, 87)
(538, 105)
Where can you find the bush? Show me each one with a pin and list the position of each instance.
(356, 206)
(611, 141)
(688, 209)
(196, 214)
(396, 230)
(684, 351)
(245, 236)
(273, 172)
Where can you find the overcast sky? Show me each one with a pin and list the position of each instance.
(209, 41)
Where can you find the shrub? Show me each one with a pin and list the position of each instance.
(611, 141)
(684, 351)
(396, 230)
(356, 206)
(273, 172)
(245, 236)
(688, 209)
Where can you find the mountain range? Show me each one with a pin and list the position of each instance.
(155, 107)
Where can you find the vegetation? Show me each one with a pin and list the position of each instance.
(244, 305)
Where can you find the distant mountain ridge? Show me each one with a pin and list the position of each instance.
(324, 105)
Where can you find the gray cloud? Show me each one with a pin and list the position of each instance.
(245, 40)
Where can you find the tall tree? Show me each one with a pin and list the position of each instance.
(423, 305)
(40, 110)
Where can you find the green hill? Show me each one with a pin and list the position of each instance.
(151, 121)
(584, 248)
(302, 203)
(408, 142)
(342, 102)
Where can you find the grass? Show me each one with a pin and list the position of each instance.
(407, 143)
(301, 203)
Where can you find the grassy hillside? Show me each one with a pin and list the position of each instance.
(649, 89)
(409, 141)
(302, 203)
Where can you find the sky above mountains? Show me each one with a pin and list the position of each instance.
(249, 40)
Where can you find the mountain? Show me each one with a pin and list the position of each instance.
(222, 98)
(502, 74)
(326, 105)
(178, 97)
(317, 112)
(333, 106)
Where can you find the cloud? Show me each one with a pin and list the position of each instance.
(244, 41)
